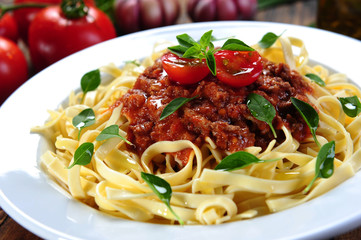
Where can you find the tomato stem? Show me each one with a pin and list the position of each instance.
(8, 8)
(74, 8)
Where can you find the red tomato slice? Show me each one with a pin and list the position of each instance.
(52, 36)
(238, 68)
(184, 70)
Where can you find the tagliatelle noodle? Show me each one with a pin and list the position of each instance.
(112, 181)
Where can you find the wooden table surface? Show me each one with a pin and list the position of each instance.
(298, 12)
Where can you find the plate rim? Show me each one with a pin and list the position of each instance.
(44, 231)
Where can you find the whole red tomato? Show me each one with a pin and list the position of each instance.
(53, 36)
(13, 68)
(24, 16)
(8, 27)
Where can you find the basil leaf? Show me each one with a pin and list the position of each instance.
(325, 157)
(262, 109)
(174, 105)
(211, 62)
(309, 114)
(268, 40)
(186, 40)
(211, 47)
(192, 52)
(206, 39)
(83, 154)
(351, 105)
(239, 160)
(178, 50)
(84, 119)
(162, 189)
(110, 132)
(236, 45)
(90, 81)
(316, 79)
(324, 167)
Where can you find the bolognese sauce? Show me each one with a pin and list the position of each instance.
(219, 111)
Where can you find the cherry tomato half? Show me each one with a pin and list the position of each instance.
(238, 68)
(184, 70)
(13, 68)
(52, 36)
(8, 27)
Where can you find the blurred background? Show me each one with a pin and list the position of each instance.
(30, 41)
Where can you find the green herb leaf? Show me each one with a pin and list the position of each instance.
(211, 47)
(211, 62)
(186, 40)
(90, 81)
(174, 105)
(178, 50)
(83, 154)
(324, 163)
(236, 45)
(239, 160)
(316, 79)
(110, 132)
(268, 40)
(261, 109)
(351, 105)
(84, 119)
(206, 39)
(191, 52)
(309, 114)
(162, 189)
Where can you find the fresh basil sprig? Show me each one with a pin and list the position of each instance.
(351, 105)
(90, 81)
(239, 160)
(261, 109)
(309, 114)
(189, 48)
(83, 154)
(316, 79)
(162, 189)
(110, 132)
(174, 105)
(268, 40)
(84, 119)
(324, 163)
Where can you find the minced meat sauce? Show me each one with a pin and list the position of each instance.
(219, 112)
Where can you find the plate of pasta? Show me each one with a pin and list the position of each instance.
(241, 129)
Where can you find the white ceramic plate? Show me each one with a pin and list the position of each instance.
(34, 201)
